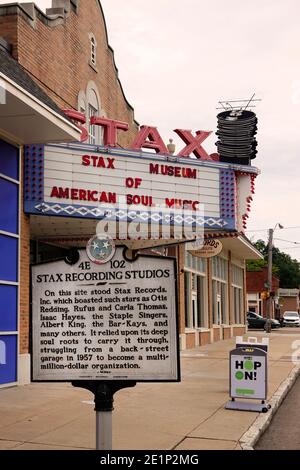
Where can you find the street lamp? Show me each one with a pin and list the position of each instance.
(270, 262)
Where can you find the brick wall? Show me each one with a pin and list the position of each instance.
(288, 304)
(57, 58)
(9, 30)
(256, 281)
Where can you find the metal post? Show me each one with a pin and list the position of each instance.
(104, 430)
(104, 397)
(269, 299)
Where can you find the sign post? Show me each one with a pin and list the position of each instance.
(103, 398)
(105, 327)
(248, 376)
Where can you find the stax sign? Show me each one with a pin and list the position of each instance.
(148, 137)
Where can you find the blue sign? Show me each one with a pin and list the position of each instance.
(9, 251)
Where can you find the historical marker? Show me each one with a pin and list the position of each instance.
(115, 321)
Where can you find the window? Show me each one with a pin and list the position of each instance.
(219, 302)
(237, 294)
(194, 280)
(201, 303)
(92, 129)
(237, 276)
(238, 310)
(93, 51)
(219, 290)
(195, 263)
(93, 108)
(187, 288)
(219, 268)
(196, 313)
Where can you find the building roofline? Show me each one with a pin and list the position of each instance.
(250, 245)
(31, 12)
(113, 57)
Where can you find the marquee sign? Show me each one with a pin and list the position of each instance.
(92, 182)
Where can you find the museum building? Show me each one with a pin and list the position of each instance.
(58, 81)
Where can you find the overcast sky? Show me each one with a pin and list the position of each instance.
(177, 59)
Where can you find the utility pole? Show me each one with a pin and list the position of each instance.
(269, 299)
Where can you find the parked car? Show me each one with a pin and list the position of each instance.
(257, 321)
(291, 318)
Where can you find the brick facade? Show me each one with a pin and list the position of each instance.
(57, 56)
(288, 304)
(256, 281)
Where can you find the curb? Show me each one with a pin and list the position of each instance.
(262, 422)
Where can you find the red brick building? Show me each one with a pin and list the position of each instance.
(289, 300)
(256, 284)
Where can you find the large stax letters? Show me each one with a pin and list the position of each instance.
(148, 136)
(80, 119)
(110, 129)
(193, 144)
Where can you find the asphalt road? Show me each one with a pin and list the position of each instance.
(284, 431)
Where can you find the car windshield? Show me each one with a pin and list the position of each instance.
(254, 315)
(291, 314)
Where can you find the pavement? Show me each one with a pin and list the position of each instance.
(284, 431)
(189, 415)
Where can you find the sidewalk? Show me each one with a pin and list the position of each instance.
(185, 416)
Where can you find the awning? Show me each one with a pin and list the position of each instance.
(241, 247)
(24, 119)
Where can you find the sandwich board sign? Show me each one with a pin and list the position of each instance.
(248, 373)
(248, 376)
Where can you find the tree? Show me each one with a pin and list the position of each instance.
(286, 268)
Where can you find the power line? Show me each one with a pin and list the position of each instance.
(289, 247)
(264, 229)
(260, 230)
(288, 241)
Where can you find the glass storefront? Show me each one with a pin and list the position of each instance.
(9, 265)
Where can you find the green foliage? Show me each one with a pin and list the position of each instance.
(286, 268)
(256, 265)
